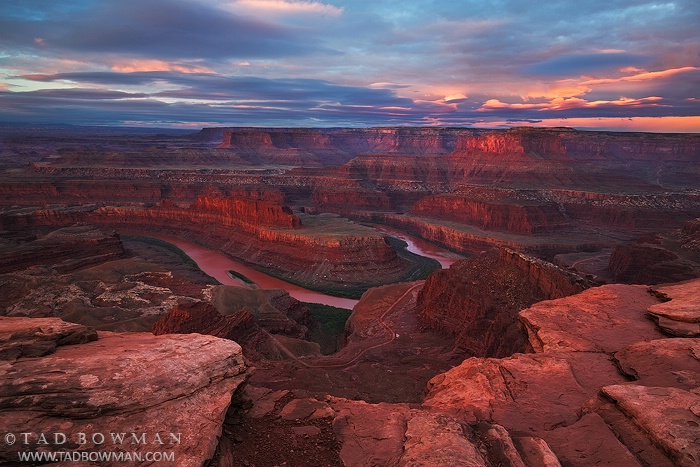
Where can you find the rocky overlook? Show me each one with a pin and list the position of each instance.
(169, 392)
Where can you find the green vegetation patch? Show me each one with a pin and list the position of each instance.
(242, 277)
(327, 326)
(422, 265)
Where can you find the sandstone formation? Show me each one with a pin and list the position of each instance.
(525, 217)
(167, 394)
(542, 191)
(576, 397)
(125, 294)
(477, 300)
(203, 318)
(679, 314)
(606, 375)
(245, 316)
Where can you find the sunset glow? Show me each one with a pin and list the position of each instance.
(295, 63)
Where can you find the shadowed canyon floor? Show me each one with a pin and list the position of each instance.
(570, 334)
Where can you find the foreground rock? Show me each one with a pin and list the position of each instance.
(679, 314)
(163, 394)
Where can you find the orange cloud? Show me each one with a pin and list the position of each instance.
(560, 103)
(650, 124)
(645, 124)
(643, 76)
(157, 65)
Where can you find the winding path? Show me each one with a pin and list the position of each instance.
(346, 364)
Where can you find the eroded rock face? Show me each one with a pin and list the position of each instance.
(642, 264)
(524, 217)
(173, 390)
(589, 344)
(65, 249)
(245, 316)
(477, 300)
(203, 318)
(670, 415)
(38, 337)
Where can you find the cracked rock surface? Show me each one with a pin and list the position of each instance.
(166, 393)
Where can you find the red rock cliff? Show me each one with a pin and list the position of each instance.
(512, 216)
(477, 300)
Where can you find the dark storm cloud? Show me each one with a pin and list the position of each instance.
(235, 100)
(167, 29)
(111, 78)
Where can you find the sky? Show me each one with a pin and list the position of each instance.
(630, 65)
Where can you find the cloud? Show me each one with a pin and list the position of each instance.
(579, 64)
(167, 29)
(337, 62)
(569, 103)
(285, 7)
(641, 75)
(130, 66)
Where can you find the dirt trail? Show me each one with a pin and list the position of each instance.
(347, 363)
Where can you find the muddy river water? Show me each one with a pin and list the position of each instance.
(216, 264)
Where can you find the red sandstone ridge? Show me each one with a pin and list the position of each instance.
(519, 143)
(332, 146)
(513, 215)
(254, 213)
(477, 300)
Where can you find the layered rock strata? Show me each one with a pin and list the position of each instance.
(169, 393)
(326, 255)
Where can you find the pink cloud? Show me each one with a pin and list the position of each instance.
(158, 65)
(642, 76)
(288, 7)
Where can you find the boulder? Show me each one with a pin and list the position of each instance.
(127, 394)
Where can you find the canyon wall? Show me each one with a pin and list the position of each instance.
(477, 300)
(523, 218)
(554, 156)
(315, 146)
(258, 233)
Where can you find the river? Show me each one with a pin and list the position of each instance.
(216, 264)
(421, 247)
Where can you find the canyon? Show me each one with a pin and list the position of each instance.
(563, 329)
